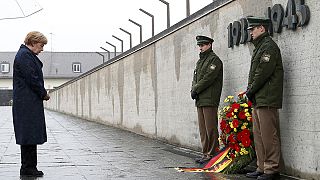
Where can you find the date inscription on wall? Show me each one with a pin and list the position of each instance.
(296, 14)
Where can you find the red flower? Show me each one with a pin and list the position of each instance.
(246, 133)
(228, 129)
(240, 136)
(232, 138)
(249, 104)
(242, 115)
(235, 147)
(235, 123)
(229, 114)
(243, 134)
(235, 106)
(246, 142)
(223, 124)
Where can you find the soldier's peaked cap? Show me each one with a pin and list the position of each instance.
(203, 40)
(257, 21)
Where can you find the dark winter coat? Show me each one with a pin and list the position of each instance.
(28, 93)
(207, 79)
(266, 73)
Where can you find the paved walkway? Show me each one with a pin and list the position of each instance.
(83, 150)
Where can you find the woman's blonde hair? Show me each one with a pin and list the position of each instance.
(34, 37)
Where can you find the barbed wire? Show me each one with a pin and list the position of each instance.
(21, 9)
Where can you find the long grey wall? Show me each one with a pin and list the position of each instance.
(147, 89)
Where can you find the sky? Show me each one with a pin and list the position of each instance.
(85, 25)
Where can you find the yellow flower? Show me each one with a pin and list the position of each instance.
(245, 124)
(235, 110)
(246, 110)
(231, 125)
(235, 129)
(230, 97)
(226, 100)
(244, 105)
(247, 114)
(243, 127)
(241, 153)
(235, 116)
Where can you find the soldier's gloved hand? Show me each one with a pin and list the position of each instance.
(250, 96)
(194, 95)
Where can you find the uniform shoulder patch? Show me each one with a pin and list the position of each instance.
(265, 57)
(212, 66)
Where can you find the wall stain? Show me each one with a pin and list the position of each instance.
(174, 139)
(98, 76)
(214, 24)
(177, 40)
(59, 100)
(107, 80)
(137, 63)
(255, 9)
(82, 94)
(112, 105)
(154, 76)
(138, 128)
(120, 87)
(75, 85)
(90, 95)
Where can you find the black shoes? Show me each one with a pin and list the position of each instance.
(261, 176)
(254, 174)
(269, 176)
(204, 159)
(31, 173)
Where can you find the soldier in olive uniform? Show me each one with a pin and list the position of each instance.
(265, 89)
(206, 91)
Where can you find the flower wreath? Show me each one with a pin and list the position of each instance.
(236, 132)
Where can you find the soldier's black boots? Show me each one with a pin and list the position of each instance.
(254, 174)
(269, 176)
(204, 159)
(31, 173)
(261, 176)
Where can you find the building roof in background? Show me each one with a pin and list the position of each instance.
(59, 64)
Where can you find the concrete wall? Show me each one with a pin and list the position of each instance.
(52, 83)
(48, 83)
(147, 90)
(5, 97)
(5, 83)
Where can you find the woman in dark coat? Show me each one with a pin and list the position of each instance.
(28, 95)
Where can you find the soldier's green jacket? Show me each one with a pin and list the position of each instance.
(266, 73)
(207, 79)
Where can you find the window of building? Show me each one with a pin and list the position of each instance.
(5, 67)
(76, 67)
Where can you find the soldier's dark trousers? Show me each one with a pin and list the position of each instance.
(28, 157)
(266, 139)
(208, 127)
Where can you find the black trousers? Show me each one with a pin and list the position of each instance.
(28, 156)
